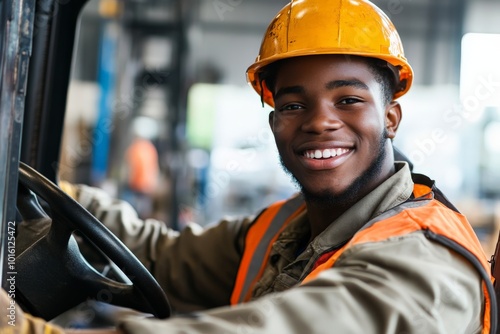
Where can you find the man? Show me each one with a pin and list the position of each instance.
(366, 247)
(143, 175)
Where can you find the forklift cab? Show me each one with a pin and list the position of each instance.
(49, 275)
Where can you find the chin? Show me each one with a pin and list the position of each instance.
(325, 196)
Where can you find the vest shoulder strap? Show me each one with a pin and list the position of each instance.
(259, 239)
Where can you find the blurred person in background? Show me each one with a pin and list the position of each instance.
(142, 175)
(142, 169)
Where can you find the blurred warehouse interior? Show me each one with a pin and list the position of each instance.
(171, 73)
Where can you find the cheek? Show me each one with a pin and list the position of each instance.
(281, 143)
(282, 130)
(370, 138)
(371, 127)
(279, 125)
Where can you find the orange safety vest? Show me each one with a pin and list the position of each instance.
(142, 160)
(427, 210)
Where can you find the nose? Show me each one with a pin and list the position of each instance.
(320, 118)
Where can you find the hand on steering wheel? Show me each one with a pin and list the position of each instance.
(53, 276)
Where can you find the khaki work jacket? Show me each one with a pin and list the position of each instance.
(404, 284)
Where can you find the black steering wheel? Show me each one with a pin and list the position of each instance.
(52, 276)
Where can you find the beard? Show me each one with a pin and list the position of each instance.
(350, 195)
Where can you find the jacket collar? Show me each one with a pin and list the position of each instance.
(392, 192)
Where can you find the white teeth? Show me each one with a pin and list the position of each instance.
(325, 154)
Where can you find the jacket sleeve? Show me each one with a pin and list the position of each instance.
(14, 321)
(401, 285)
(196, 267)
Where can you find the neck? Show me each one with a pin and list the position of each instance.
(321, 216)
(322, 212)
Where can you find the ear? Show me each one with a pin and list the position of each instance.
(393, 117)
(271, 120)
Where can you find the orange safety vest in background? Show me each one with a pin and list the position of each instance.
(144, 169)
(428, 210)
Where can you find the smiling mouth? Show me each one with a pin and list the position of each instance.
(326, 154)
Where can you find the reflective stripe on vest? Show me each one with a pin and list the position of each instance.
(259, 239)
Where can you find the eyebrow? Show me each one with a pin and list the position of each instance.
(289, 90)
(330, 85)
(346, 83)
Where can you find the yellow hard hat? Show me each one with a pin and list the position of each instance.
(317, 27)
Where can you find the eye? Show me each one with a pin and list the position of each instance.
(291, 107)
(349, 100)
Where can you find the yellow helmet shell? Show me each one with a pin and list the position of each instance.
(318, 27)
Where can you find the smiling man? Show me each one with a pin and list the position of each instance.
(333, 124)
(364, 247)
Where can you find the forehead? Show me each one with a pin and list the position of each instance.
(324, 65)
(326, 74)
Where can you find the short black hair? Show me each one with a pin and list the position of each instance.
(385, 76)
(382, 71)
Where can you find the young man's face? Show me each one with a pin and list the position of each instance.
(332, 127)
